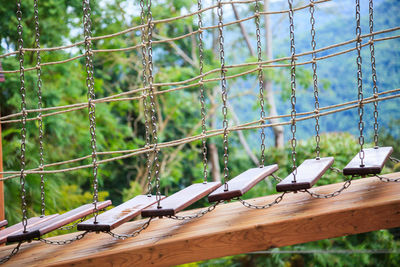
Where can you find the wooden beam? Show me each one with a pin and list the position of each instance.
(367, 205)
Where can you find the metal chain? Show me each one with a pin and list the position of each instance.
(333, 194)
(39, 93)
(24, 115)
(387, 180)
(87, 22)
(394, 160)
(63, 242)
(359, 84)
(196, 215)
(134, 234)
(152, 100)
(259, 207)
(224, 93)
(202, 97)
(276, 178)
(69, 227)
(12, 254)
(315, 79)
(374, 78)
(260, 82)
(145, 96)
(293, 141)
(346, 185)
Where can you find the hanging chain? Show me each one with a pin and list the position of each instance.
(359, 84)
(24, 115)
(276, 178)
(196, 215)
(394, 160)
(145, 96)
(374, 78)
(72, 226)
(91, 97)
(224, 93)
(387, 180)
(202, 97)
(134, 234)
(152, 100)
(293, 141)
(39, 93)
(315, 79)
(12, 254)
(259, 207)
(260, 82)
(63, 242)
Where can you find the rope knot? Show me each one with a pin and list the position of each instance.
(316, 111)
(359, 39)
(376, 95)
(312, 3)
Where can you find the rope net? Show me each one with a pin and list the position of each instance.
(232, 71)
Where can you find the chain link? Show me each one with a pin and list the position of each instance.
(202, 97)
(87, 22)
(24, 115)
(359, 84)
(63, 242)
(333, 194)
(152, 100)
(276, 178)
(315, 79)
(293, 141)
(260, 82)
(259, 207)
(145, 95)
(69, 227)
(387, 180)
(134, 234)
(12, 254)
(374, 78)
(39, 94)
(394, 160)
(196, 215)
(224, 92)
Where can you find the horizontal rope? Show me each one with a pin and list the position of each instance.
(135, 28)
(78, 106)
(210, 133)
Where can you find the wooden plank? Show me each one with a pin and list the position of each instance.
(242, 183)
(56, 222)
(374, 161)
(3, 223)
(181, 199)
(116, 216)
(17, 227)
(308, 173)
(367, 205)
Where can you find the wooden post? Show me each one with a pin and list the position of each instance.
(2, 216)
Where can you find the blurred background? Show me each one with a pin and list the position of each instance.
(120, 125)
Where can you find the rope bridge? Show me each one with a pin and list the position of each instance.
(184, 239)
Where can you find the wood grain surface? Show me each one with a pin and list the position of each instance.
(242, 183)
(308, 173)
(374, 160)
(367, 205)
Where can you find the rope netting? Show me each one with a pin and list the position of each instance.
(206, 77)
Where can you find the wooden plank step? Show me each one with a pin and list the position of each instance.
(368, 205)
(180, 200)
(374, 161)
(3, 223)
(242, 183)
(116, 216)
(18, 227)
(56, 222)
(308, 173)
